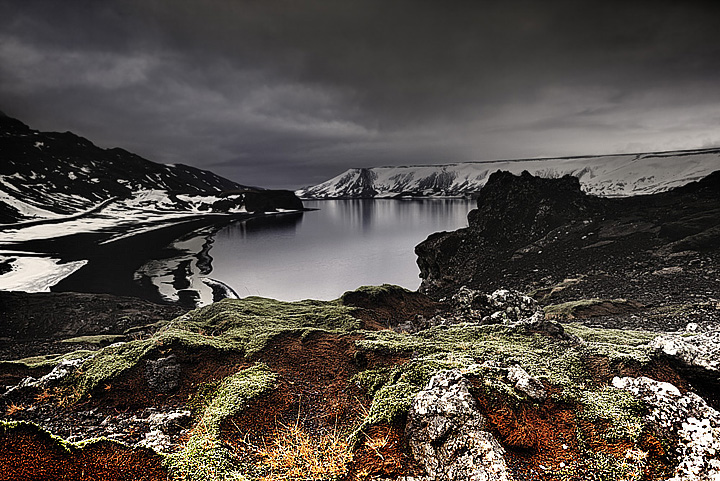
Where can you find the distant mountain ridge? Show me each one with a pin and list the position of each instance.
(618, 175)
(45, 174)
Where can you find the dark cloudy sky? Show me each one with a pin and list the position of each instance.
(289, 93)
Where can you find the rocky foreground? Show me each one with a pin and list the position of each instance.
(471, 379)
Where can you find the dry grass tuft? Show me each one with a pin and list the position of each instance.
(13, 409)
(296, 456)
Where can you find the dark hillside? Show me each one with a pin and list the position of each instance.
(532, 234)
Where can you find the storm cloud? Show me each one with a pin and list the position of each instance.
(289, 93)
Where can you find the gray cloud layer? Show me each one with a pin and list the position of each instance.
(289, 92)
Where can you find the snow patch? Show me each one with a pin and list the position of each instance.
(25, 209)
(36, 274)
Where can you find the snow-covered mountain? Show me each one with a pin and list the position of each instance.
(107, 220)
(606, 175)
(51, 174)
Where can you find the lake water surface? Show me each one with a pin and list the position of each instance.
(341, 246)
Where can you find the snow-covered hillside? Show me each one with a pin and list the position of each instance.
(116, 221)
(607, 175)
(51, 174)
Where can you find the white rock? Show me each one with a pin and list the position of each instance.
(448, 436)
(689, 417)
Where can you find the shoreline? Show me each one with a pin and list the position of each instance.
(111, 261)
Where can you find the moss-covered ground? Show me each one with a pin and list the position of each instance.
(387, 368)
(205, 456)
(240, 326)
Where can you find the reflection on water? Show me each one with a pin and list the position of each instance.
(343, 245)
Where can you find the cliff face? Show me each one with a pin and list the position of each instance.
(531, 233)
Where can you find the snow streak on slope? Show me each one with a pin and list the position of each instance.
(51, 174)
(607, 175)
(33, 273)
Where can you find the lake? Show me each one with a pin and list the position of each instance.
(343, 245)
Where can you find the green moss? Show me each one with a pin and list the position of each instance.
(610, 336)
(205, 457)
(475, 349)
(390, 402)
(247, 324)
(620, 409)
(615, 344)
(547, 358)
(240, 325)
(101, 339)
(393, 389)
(108, 363)
(240, 315)
(373, 294)
(50, 360)
(373, 379)
(568, 309)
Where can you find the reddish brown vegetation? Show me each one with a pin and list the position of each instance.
(315, 395)
(382, 453)
(541, 439)
(27, 454)
(130, 390)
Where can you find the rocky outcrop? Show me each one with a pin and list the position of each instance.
(696, 355)
(699, 351)
(501, 307)
(685, 416)
(527, 384)
(163, 374)
(391, 307)
(52, 379)
(530, 233)
(507, 307)
(271, 200)
(449, 437)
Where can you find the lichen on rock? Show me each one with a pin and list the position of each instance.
(526, 383)
(699, 351)
(449, 437)
(685, 416)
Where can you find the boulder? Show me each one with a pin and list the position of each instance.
(529, 233)
(163, 374)
(524, 382)
(700, 351)
(449, 437)
(504, 306)
(685, 416)
(697, 356)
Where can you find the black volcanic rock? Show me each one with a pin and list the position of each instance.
(513, 210)
(270, 200)
(530, 233)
